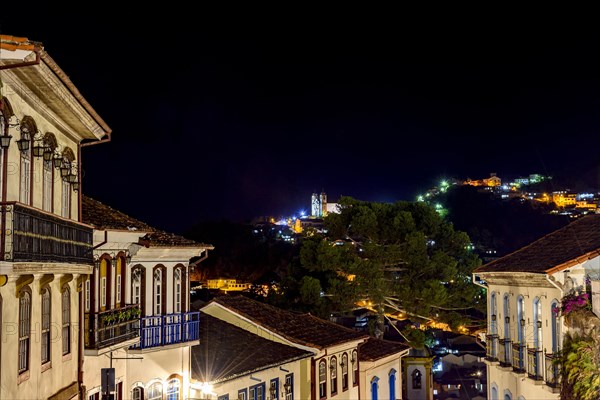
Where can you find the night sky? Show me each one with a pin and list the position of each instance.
(222, 116)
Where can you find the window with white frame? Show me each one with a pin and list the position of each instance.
(322, 379)
(137, 393)
(48, 187)
(136, 286)
(24, 329)
(66, 199)
(157, 291)
(45, 331)
(177, 291)
(66, 320)
(103, 291)
(333, 373)
(118, 291)
(88, 297)
(354, 362)
(24, 195)
(155, 392)
(345, 371)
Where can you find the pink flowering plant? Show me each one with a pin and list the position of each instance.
(574, 302)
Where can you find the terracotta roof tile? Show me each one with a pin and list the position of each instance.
(13, 43)
(303, 329)
(101, 216)
(571, 244)
(226, 351)
(375, 349)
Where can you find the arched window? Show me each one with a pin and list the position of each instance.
(322, 379)
(138, 284)
(344, 371)
(507, 395)
(45, 331)
(137, 393)
(374, 388)
(173, 389)
(157, 291)
(177, 292)
(506, 310)
(155, 391)
(354, 362)
(68, 163)
(494, 314)
(28, 130)
(416, 379)
(48, 186)
(392, 382)
(494, 392)
(119, 270)
(24, 328)
(104, 283)
(521, 319)
(66, 320)
(334, 380)
(555, 325)
(50, 145)
(537, 321)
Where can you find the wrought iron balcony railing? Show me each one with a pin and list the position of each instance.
(32, 235)
(518, 357)
(534, 364)
(169, 329)
(492, 347)
(552, 377)
(504, 353)
(108, 328)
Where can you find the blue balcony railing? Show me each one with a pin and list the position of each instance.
(163, 330)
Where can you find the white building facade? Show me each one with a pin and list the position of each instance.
(525, 291)
(45, 249)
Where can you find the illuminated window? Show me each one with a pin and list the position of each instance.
(177, 290)
(322, 379)
(155, 392)
(334, 380)
(173, 389)
(88, 297)
(354, 362)
(344, 371)
(157, 291)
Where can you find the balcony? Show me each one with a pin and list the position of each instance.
(518, 357)
(31, 235)
(504, 353)
(491, 347)
(164, 330)
(534, 364)
(109, 328)
(552, 377)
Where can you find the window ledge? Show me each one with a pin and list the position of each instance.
(23, 376)
(46, 366)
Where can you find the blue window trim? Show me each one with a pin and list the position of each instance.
(291, 378)
(276, 382)
(260, 385)
(245, 391)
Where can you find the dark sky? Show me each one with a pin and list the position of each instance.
(223, 116)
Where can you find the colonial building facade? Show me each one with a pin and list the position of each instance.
(137, 307)
(526, 314)
(45, 249)
(336, 363)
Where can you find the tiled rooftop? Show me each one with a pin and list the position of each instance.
(226, 351)
(303, 329)
(13, 43)
(375, 349)
(101, 216)
(574, 243)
